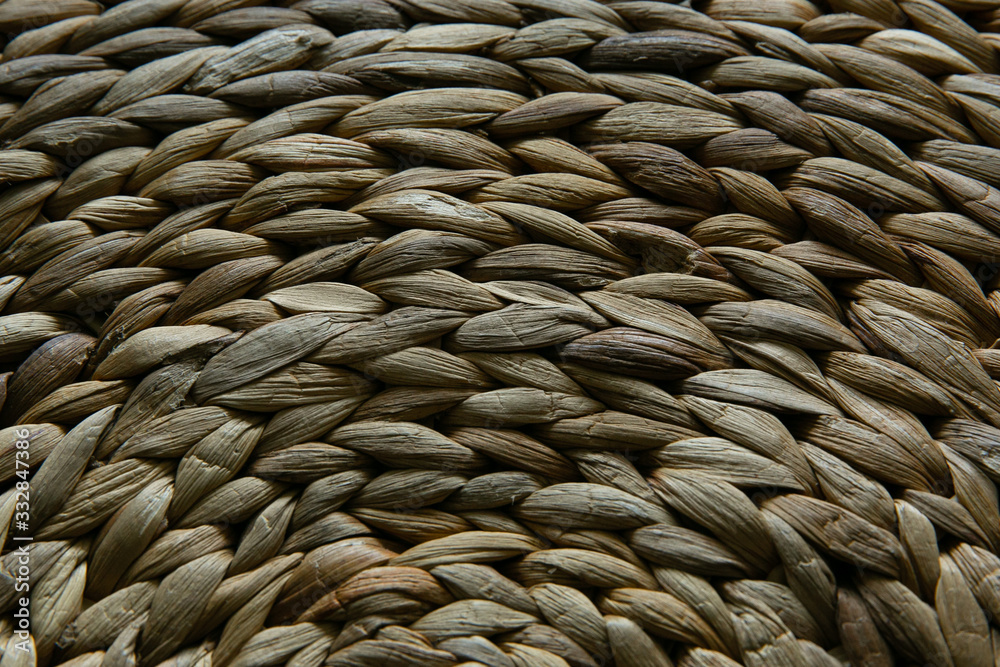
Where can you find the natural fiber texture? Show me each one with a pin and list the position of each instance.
(504, 333)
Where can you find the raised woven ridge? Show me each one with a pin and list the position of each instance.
(516, 333)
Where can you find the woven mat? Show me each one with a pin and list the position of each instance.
(503, 333)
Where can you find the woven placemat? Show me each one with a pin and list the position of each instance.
(503, 333)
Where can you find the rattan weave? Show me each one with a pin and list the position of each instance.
(500, 333)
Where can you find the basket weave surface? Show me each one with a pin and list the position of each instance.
(516, 333)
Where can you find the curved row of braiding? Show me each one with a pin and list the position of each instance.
(533, 386)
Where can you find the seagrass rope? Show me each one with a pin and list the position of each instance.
(511, 333)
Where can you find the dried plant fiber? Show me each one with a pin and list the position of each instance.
(500, 333)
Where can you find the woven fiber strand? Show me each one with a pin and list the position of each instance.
(504, 333)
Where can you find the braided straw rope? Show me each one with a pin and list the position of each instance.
(504, 333)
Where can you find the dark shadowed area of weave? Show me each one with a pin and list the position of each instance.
(503, 333)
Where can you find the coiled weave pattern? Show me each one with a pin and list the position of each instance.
(504, 333)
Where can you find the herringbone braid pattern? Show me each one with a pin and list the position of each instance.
(516, 333)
